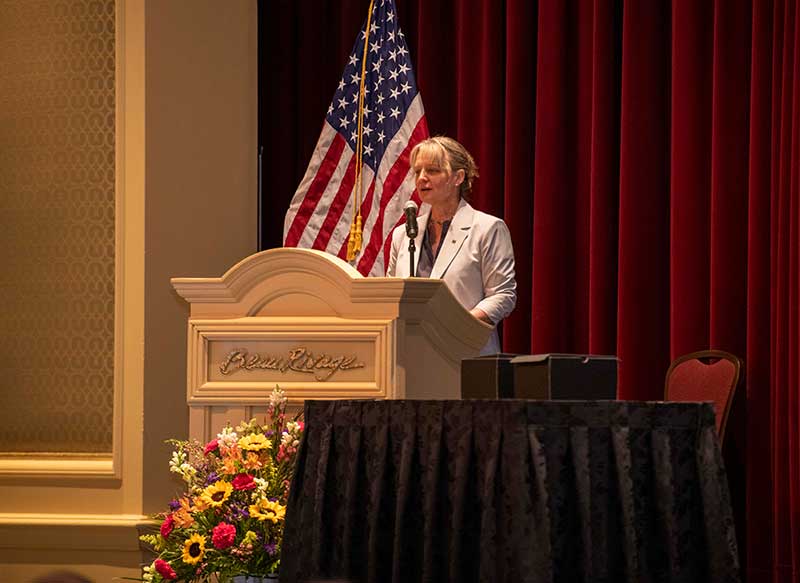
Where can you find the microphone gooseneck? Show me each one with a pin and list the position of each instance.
(410, 210)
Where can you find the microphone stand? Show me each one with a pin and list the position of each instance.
(411, 249)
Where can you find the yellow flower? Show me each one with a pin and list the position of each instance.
(194, 548)
(183, 516)
(217, 493)
(183, 519)
(200, 504)
(253, 462)
(255, 442)
(268, 510)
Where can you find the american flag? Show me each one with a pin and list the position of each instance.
(321, 210)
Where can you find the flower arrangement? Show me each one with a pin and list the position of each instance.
(230, 519)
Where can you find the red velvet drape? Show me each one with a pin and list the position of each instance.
(646, 157)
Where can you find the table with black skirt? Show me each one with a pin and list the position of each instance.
(523, 491)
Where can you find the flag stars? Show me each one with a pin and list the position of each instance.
(376, 66)
(390, 36)
(367, 130)
(367, 149)
(393, 55)
(367, 110)
(355, 78)
(343, 122)
(395, 113)
(354, 136)
(379, 99)
(395, 92)
(373, 28)
(393, 74)
(330, 109)
(401, 49)
(406, 88)
(390, 16)
(381, 137)
(341, 84)
(354, 60)
(375, 47)
(381, 117)
(404, 68)
(342, 103)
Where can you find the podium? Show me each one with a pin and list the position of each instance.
(310, 323)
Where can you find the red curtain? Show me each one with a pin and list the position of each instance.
(646, 157)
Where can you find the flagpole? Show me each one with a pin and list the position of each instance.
(354, 241)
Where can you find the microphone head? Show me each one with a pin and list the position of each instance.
(410, 210)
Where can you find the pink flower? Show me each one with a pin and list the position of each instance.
(222, 536)
(164, 569)
(211, 446)
(243, 482)
(167, 525)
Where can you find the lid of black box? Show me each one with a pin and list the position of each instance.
(533, 358)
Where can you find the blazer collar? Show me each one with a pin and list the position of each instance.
(457, 233)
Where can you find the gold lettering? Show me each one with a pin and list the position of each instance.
(299, 359)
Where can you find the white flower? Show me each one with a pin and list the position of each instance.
(261, 486)
(178, 459)
(286, 439)
(179, 464)
(277, 398)
(149, 572)
(227, 437)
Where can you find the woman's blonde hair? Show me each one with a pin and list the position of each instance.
(450, 154)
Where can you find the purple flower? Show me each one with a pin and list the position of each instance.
(212, 477)
(270, 549)
(174, 505)
(238, 511)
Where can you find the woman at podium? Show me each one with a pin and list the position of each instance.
(470, 250)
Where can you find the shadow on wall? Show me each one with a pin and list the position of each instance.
(62, 577)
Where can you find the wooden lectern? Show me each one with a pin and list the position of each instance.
(309, 322)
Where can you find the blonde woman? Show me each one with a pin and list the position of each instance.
(470, 250)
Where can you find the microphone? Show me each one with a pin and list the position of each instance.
(410, 210)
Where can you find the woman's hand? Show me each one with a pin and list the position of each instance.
(481, 315)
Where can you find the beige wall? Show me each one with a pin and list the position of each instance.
(186, 205)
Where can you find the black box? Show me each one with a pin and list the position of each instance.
(487, 377)
(582, 377)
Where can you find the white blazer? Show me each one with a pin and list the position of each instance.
(476, 261)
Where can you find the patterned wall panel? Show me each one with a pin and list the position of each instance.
(57, 173)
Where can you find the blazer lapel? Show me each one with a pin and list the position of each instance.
(454, 240)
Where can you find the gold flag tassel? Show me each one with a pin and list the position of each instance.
(351, 242)
(354, 240)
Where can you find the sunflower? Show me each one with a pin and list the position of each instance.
(194, 548)
(255, 442)
(268, 510)
(217, 493)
